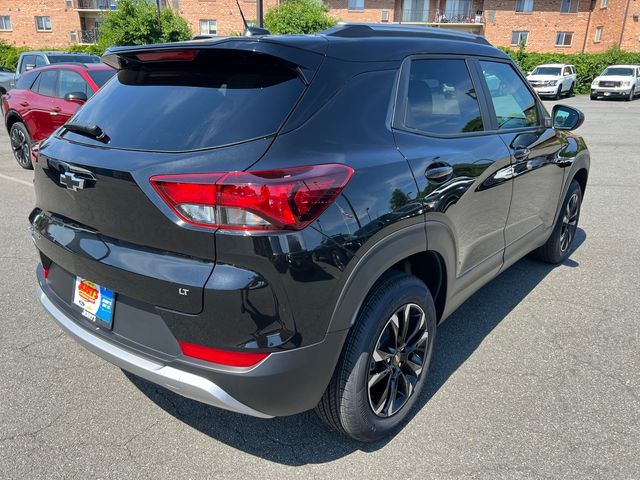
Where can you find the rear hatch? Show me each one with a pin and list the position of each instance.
(209, 107)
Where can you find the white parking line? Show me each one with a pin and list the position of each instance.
(17, 180)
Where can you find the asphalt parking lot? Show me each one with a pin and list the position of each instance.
(536, 376)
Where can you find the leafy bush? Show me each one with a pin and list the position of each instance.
(136, 23)
(9, 54)
(298, 16)
(588, 65)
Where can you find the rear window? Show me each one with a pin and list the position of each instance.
(100, 77)
(74, 59)
(220, 98)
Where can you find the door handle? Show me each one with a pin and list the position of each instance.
(24, 104)
(521, 154)
(56, 109)
(439, 172)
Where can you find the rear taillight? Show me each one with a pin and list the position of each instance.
(222, 357)
(168, 56)
(286, 199)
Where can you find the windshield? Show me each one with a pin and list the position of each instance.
(100, 77)
(74, 59)
(220, 98)
(623, 72)
(546, 71)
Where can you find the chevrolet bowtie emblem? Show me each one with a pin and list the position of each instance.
(71, 181)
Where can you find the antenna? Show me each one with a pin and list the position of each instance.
(246, 27)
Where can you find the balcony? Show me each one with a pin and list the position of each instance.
(95, 5)
(84, 37)
(465, 16)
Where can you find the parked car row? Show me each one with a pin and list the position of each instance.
(558, 79)
(49, 88)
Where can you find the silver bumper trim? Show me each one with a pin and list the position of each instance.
(183, 383)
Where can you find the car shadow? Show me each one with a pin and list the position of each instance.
(303, 439)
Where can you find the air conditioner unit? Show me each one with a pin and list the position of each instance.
(384, 16)
(73, 37)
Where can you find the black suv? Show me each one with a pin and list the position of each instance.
(272, 224)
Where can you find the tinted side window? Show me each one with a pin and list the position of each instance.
(28, 61)
(441, 98)
(69, 81)
(26, 81)
(40, 62)
(47, 83)
(514, 105)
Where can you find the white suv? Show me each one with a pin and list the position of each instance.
(617, 81)
(554, 79)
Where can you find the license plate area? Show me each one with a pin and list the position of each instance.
(96, 303)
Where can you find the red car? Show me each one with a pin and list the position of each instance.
(44, 99)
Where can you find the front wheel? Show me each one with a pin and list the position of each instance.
(557, 248)
(558, 94)
(384, 363)
(632, 93)
(21, 145)
(593, 96)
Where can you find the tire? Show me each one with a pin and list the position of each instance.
(558, 246)
(632, 94)
(570, 93)
(593, 97)
(21, 145)
(558, 94)
(349, 404)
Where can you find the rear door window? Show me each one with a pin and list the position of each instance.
(513, 103)
(26, 81)
(47, 83)
(441, 98)
(219, 98)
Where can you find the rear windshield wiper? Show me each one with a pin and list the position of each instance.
(93, 131)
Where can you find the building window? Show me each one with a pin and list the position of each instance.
(524, 5)
(43, 24)
(208, 27)
(5, 22)
(519, 38)
(598, 36)
(355, 5)
(564, 39)
(569, 6)
(69, 3)
(604, 3)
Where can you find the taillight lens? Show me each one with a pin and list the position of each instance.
(222, 357)
(168, 56)
(286, 199)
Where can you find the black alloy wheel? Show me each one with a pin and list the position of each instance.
(21, 145)
(569, 222)
(398, 360)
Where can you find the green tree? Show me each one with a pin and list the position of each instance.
(298, 16)
(135, 22)
(398, 199)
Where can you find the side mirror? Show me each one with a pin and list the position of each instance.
(566, 118)
(77, 97)
(29, 66)
(529, 73)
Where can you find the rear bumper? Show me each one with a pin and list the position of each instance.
(285, 383)
(181, 382)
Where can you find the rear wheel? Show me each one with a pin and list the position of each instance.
(384, 363)
(571, 93)
(558, 245)
(21, 145)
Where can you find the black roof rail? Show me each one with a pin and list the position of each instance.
(368, 30)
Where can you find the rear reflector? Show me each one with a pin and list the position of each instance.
(168, 56)
(222, 357)
(286, 199)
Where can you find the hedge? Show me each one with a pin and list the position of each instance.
(9, 54)
(588, 65)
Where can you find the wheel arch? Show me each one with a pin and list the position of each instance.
(405, 250)
(12, 118)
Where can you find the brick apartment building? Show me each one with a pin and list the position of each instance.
(543, 25)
